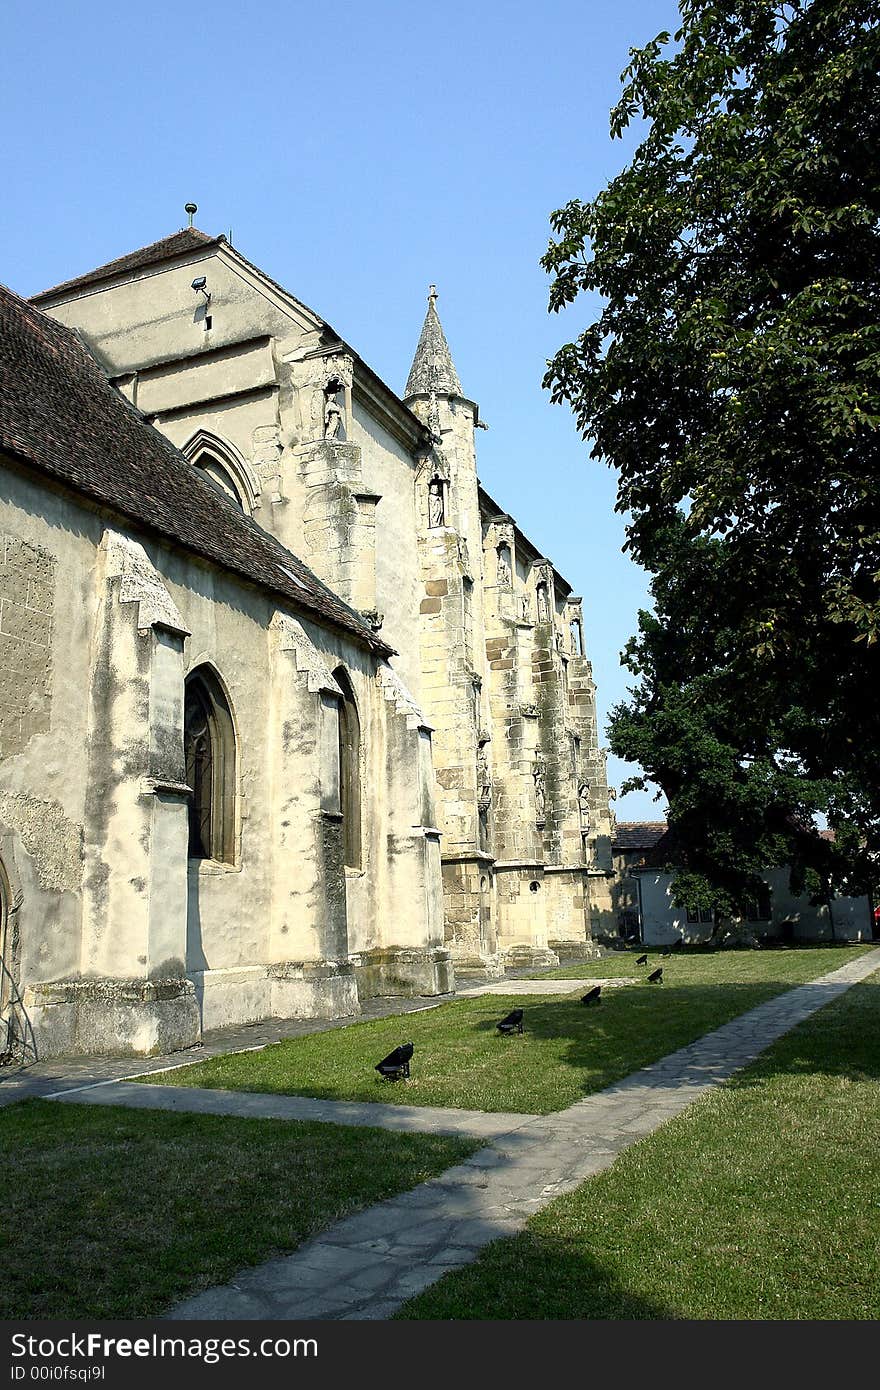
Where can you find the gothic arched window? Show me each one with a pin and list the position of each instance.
(349, 771)
(209, 745)
(224, 466)
(221, 477)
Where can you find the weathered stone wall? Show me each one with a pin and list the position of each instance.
(490, 640)
(27, 595)
(124, 942)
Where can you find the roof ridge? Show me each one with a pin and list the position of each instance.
(60, 415)
(177, 243)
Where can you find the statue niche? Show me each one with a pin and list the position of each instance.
(334, 413)
(436, 503)
(540, 793)
(504, 575)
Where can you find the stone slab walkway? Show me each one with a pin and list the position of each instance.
(47, 1079)
(368, 1265)
(528, 987)
(470, 1124)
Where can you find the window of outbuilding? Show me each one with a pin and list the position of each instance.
(758, 908)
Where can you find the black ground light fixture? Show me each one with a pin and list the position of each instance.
(512, 1023)
(642, 960)
(592, 996)
(656, 976)
(396, 1065)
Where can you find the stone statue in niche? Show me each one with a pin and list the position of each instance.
(334, 415)
(526, 612)
(436, 508)
(574, 628)
(540, 791)
(543, 604)
(484, 779)
(584, 807)
(504, 576)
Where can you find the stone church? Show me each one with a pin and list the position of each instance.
(292, 712)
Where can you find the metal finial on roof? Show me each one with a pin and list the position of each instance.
(432, 294)
(192, 209)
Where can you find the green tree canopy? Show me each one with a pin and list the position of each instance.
(733, 380)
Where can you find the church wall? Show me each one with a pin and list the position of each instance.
(387, 470)
(47, 611)
(121, 941)
(155, 316)
(506, 688)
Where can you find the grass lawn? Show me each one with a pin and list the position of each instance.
(566, 1051)
(759, 1202)
(114, 1213)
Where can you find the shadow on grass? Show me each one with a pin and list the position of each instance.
(530, 1278)
(117, 1214)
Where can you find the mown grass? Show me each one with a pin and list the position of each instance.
(566, 1051)
(759, 1202)
(114, 1213)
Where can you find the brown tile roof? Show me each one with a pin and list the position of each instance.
(638, 834)
(189, 239)
(59, 413)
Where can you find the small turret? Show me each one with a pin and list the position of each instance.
(433, 370)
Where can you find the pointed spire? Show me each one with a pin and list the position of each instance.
(433, 368)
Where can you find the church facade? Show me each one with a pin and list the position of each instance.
(293, 712)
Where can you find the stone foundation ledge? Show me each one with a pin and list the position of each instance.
(524, 957)
(579, 949)
(313, 989)
(235, 995)
(128, 1017)
(403, 970)
(477, 967)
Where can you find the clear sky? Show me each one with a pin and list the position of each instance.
(357, 152)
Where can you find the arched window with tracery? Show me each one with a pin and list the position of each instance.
(209, 745)
(223, 465)
(349, 771)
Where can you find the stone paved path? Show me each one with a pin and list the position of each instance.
(471, 1124)
(368, 1265)
(522, 988)
(47, 1079)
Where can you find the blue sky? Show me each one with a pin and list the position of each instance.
(357, 155)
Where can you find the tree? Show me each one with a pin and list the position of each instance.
(733, 380)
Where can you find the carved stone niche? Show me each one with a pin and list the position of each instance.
(575, 621)
(545, 598)
(323, 380)
(484, 776)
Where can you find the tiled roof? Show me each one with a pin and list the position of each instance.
(638, 834)
(189, 239)
(59, 413)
